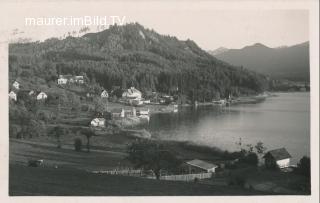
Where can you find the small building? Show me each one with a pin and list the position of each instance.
(199, 166)
(98, 122)
(132, 93)
(117, 113)
(104, 94)
(63, 79)
(16, 85)
(143, 111)
(31, 93)
(42, 96)
(12, 95)
(277, 157)
(79, 79)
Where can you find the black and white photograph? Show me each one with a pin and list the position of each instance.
(160, 98)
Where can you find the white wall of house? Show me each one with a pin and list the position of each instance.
(41, 96)
(98, 122)
(13, 96)
(62, 81)
(211, 170)
(16, 85)
(283, 163)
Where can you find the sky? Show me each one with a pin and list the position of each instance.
(210, 26)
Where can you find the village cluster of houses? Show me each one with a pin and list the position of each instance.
(120, 113)
(38, 94)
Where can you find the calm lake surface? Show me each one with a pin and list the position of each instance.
(281, 121)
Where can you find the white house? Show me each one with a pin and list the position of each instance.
(62, 80)
(144, 111)
(16, 85)
(132, 93)
(79, 79)
(98, 122)
(31, 92)
(13, 95)
(279, 157)
(42, 96)
(104, 94)
(196, 166)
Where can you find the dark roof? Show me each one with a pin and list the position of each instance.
(201, 164)
(278, 154)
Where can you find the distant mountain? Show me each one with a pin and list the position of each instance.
(283, 62)
(220, 50)
(132, 55)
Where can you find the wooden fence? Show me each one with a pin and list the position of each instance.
(185, 177)
(127, 172)
(141, 173)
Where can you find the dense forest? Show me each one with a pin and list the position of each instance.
(132, 55)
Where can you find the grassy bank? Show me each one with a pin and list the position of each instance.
(27, 181)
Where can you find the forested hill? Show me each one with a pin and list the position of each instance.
(132, 55)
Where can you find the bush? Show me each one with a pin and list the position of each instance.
(237, 179)
(85, 108)
(303, 167)
(78, 144)
(251, 159)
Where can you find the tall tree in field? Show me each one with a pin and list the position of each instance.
(152, 156)
(88, 133)
(57, 131)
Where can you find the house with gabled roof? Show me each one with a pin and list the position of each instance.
(16, 85)
(104, 94)
(277, 157)
(12, 95)
(132, 93)
(41, 95)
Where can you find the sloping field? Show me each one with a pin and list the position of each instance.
(42, 181)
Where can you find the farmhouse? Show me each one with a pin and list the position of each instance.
(16, 85)
(12, 95)
(41, 96)
(279, 157)
(104, 94)
(199, 166)
(98, 122)
(132, 93)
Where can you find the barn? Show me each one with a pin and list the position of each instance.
(199, 166)
(277, 157)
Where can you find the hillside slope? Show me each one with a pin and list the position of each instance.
(283, 63)
(132, 55)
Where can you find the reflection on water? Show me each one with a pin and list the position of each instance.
(281, 121)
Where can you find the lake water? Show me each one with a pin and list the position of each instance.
(281, 121)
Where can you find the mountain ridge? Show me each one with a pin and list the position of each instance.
(291, 62)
